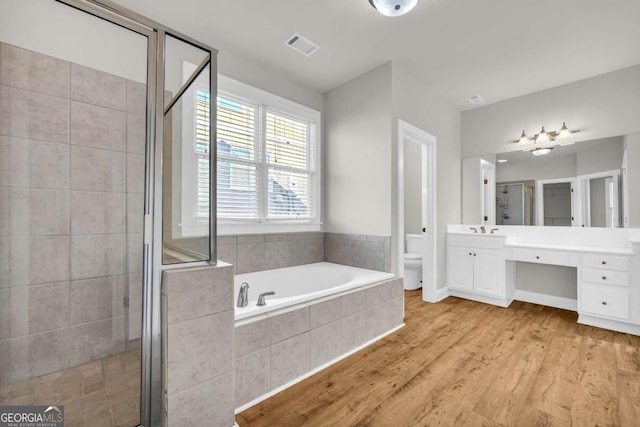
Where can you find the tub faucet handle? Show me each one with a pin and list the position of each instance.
(261, 301)
(243, 295)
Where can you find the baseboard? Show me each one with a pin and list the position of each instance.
(314, 371)
(627, 328)
(501, 302)
(441, 293)
(545, 299)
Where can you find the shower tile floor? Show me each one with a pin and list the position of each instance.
(104, 392)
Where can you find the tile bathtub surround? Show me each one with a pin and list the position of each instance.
(257, 252)
(359, 250)
(272, 350)
(70, 213)
(198, 349)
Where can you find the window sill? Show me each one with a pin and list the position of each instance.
(225, 229)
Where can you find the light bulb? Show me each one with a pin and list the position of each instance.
(564, 132)
(393, 7)
(524, 139)
(542, 151)
(542, 137)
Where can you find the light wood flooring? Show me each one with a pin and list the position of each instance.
(462, 363)
(104, 392)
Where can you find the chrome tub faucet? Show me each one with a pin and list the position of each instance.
(243, 296)
(261, 300)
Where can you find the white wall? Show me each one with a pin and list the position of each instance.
(422, 106)
(357, 183)
(604, 156)
(55, 29)
(412, 187)
(602, 106)
(544, 167)
(632, 145)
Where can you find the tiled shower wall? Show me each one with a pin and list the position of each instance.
(71, 183)
(257, 252)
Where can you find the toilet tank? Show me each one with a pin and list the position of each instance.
(414, 243)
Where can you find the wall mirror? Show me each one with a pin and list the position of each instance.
(586, 184)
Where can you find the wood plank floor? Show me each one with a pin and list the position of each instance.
(462, 363)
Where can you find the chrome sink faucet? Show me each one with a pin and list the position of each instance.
(243, 296)
(483, 230)
(261, 301)
(493, 230)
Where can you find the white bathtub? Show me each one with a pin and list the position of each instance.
(295, 285)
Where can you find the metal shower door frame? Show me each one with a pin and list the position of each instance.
(151, 365)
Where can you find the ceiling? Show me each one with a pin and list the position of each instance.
(498, 49)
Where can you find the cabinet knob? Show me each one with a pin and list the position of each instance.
(470, 253)
(604, 262)
(475, 254)
(604, 277)
(604, 303)
(537, 257)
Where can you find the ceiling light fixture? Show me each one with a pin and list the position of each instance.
(544, 141)
(502, 160)
(393, 7)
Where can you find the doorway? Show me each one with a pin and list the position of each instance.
(422, 199)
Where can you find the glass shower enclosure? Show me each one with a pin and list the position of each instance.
(105, 176)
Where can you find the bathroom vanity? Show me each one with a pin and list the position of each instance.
(482, 266)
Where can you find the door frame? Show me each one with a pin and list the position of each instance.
(406, 131)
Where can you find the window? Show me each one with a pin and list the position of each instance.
(267, 171)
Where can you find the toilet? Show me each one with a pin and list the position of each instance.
(413, 262)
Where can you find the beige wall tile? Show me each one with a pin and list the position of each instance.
(289, 359)
(97, 170)
(199, 349)
(325, 344)
(384, 317)
(28, 163)
(135, 326)
(207, 404)
(135, 292)
(136, 133)
(25, 69)
(38, 260)
(251, 337)
(250, 257)
(135, 247)
(324, 312)
(197, 292)
(276, 255)
(289, 324)
(98, 255)
(384, 292)
(97, 127)
(353, 303)
(135, 173)
(136, 97)
(96, 87)
(135, 213)
(96, 339)
(305, 251)
(227, 253)
(97, 299)
(97, 212)
(38, 212)
(32, 115)
(353, 331)
(252, 376)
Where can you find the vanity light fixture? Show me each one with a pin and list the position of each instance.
(541, 151)
(544, 141)
(502, 160)
(393, 7)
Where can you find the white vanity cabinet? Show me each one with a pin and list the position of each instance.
(476, 268)
(603, 287)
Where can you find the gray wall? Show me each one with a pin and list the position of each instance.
(357, 166)
(547, 279)
(412, 187)
(422, 106)
(602, 106)
(604, 156)
(632, 145)
(544, 167)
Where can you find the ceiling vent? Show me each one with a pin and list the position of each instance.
(476, 100)
(301, 44)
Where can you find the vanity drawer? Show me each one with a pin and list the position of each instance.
(478, 241)
(545, 256)
(605, 277)
(609, 262)
(610, 302)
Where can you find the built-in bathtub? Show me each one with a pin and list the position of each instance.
(320, 314)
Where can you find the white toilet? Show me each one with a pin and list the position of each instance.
(413, 262)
